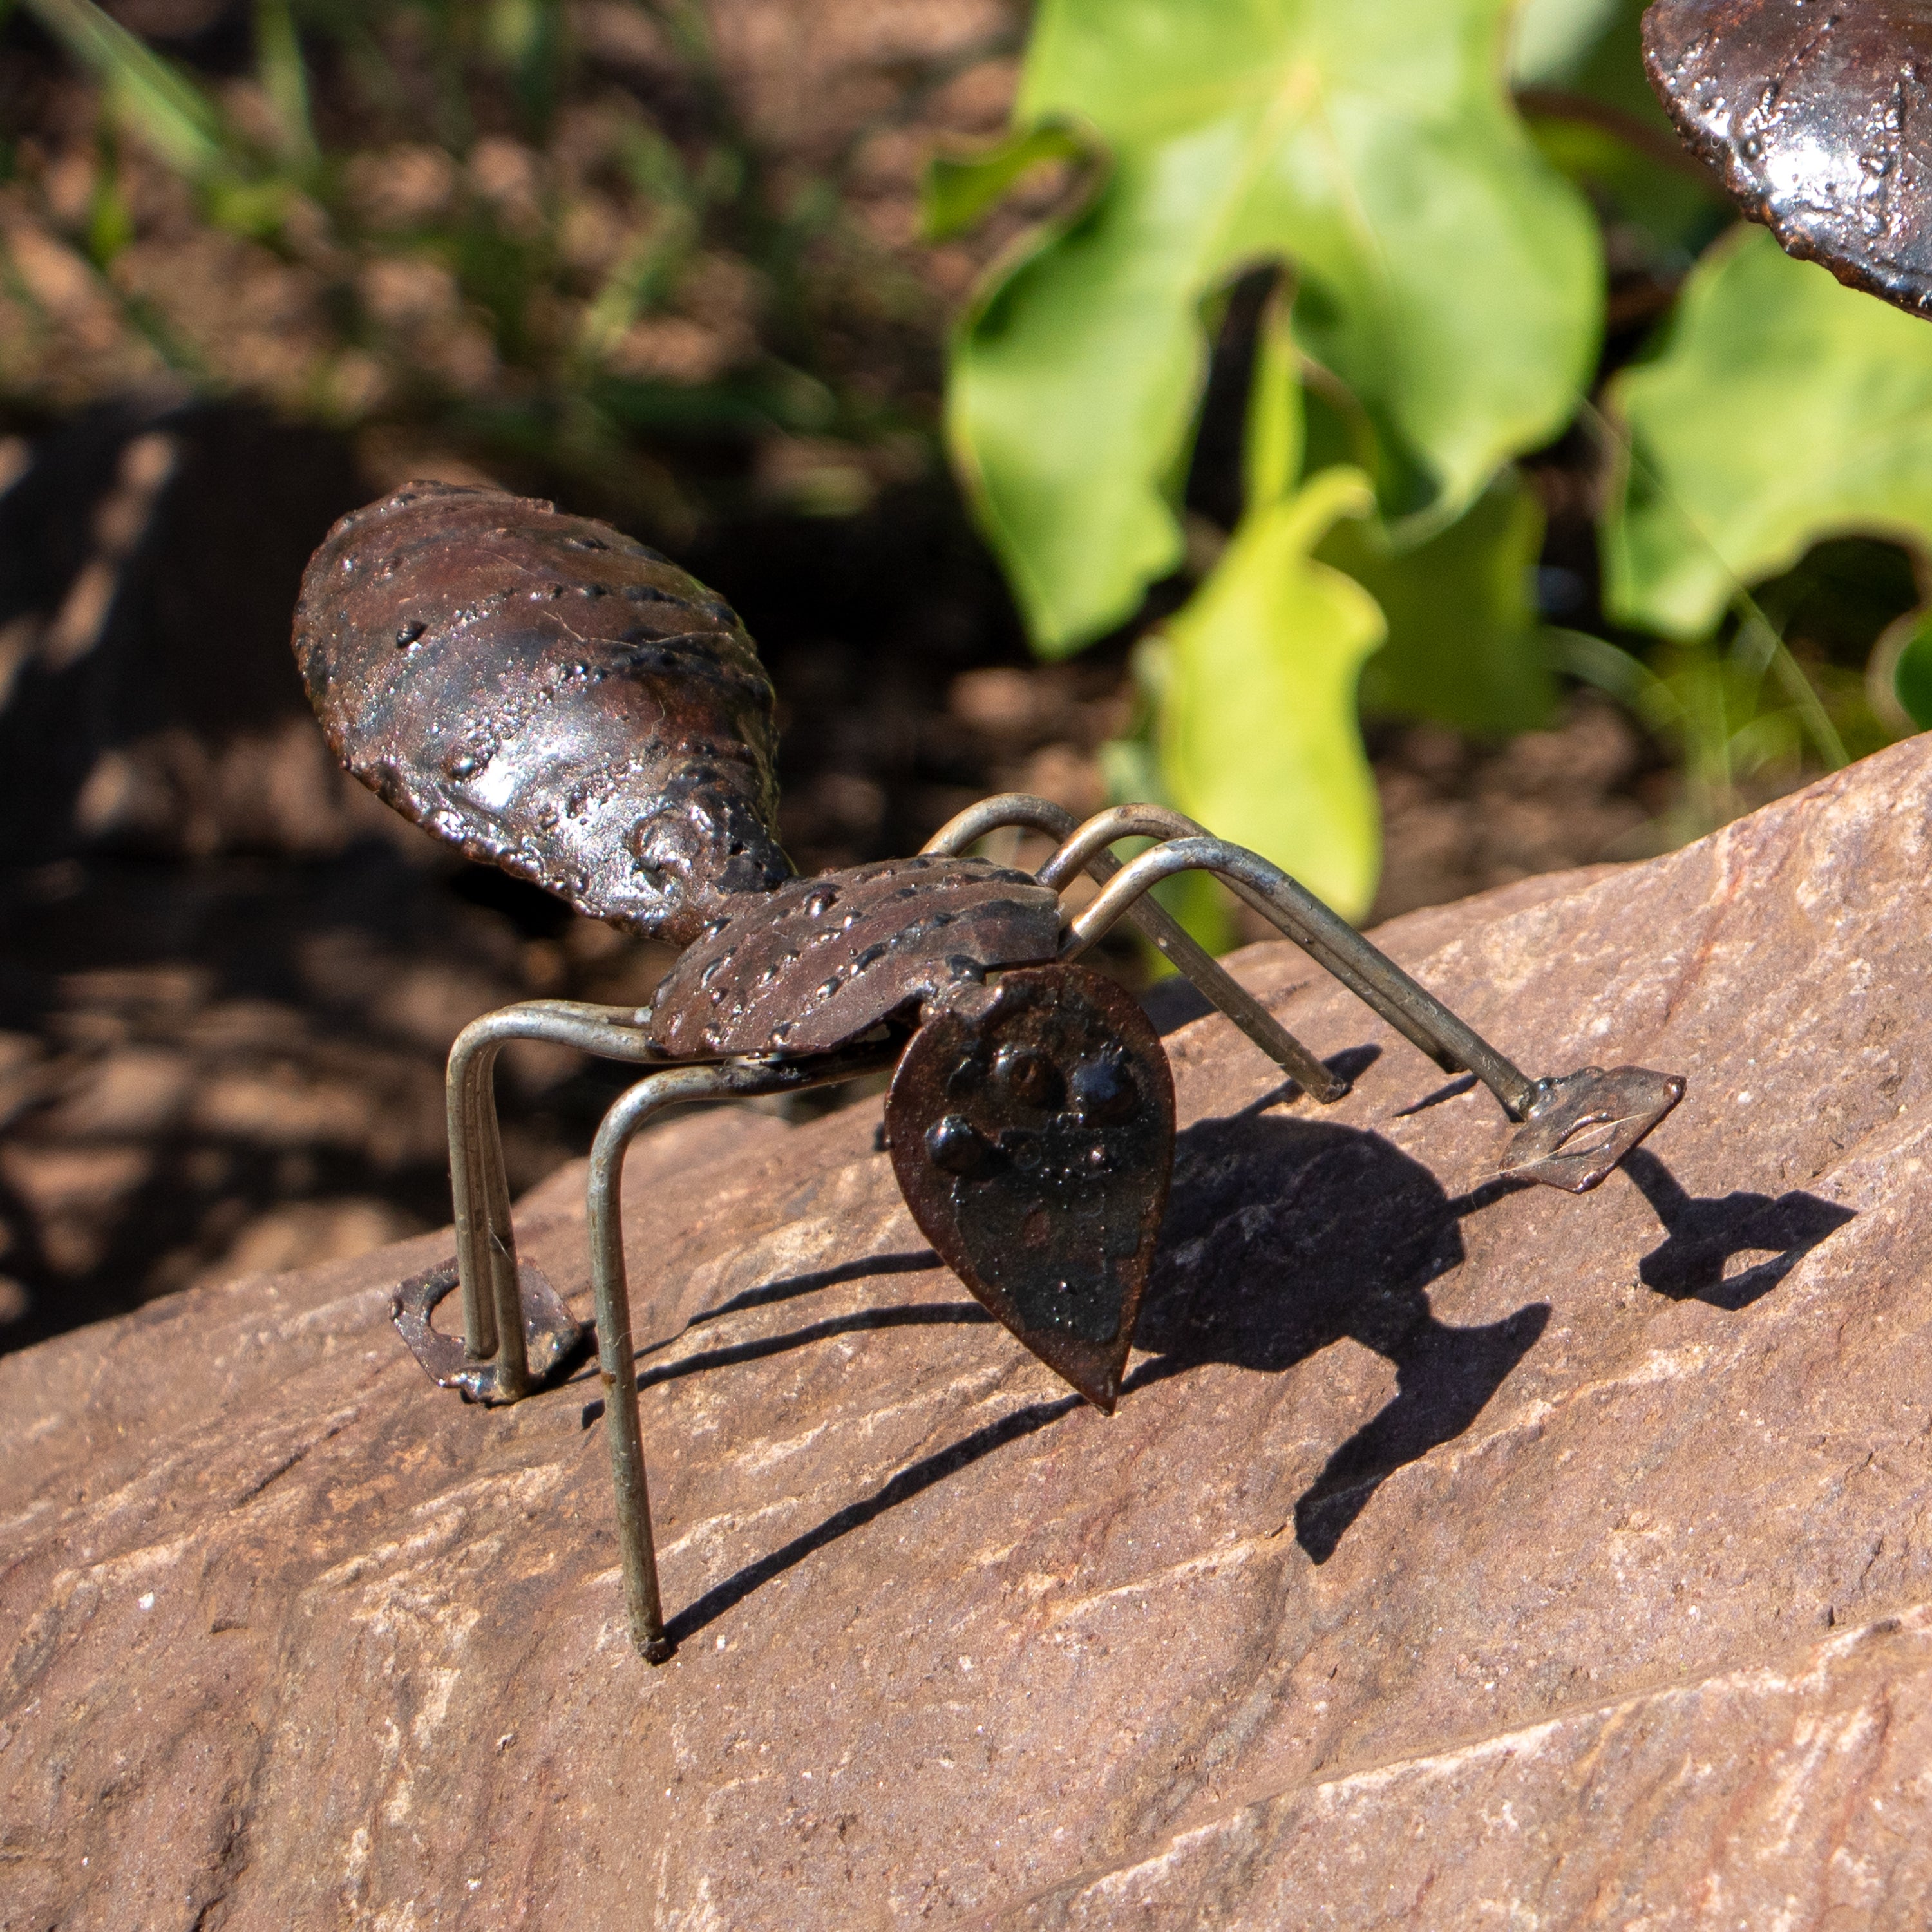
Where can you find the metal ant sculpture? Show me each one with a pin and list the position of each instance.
(548, 694)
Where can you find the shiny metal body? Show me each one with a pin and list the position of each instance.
(543, 691)
(1575, 1127)
(1818, 120)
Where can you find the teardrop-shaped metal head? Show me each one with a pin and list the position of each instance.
(547, 693)
(1818, 117)
(1031, 1124)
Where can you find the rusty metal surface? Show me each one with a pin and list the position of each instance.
(548, 694)
(1158, 926)
(821, 962)
(1031, 1126)
(1819, 121)
(554, 1342)
(1585, 1122)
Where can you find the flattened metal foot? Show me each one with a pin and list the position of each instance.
(1582, 1124)
(555, 1341)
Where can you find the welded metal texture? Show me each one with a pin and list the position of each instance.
(554, 1341)
(548, 694)
(1582, 1124)
(821, 962)
(1160, 928)
(1816, 113)
(1031, 1127)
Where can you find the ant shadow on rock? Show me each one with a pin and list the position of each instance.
(1282, 1235)
(1704, 1236)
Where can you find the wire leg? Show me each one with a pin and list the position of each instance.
(616, 1354)
(486, 1240)
(1160, 927)
(472, 1062)
(1331, 942)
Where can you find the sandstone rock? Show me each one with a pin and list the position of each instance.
(1459, 1554)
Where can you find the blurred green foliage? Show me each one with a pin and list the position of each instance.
(446, 221)
(1776, 410)
(1453, 244)
(1475, 210)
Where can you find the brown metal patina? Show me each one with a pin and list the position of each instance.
(548, 694)
(821, 961)
(1031, 1126)
(554, 1340)
(1819, 119)
(1581, 1126)
(544, 692)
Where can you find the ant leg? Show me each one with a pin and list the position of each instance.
(616, 1354)
(486, 1243)
(1007, 808)
(1328, 939)
(1157, 924)
(1574, 1128)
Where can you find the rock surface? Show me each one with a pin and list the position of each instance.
(1459, 1554)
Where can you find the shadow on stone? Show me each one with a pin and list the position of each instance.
(900, 1488)
(1704, 1234)
(912, 1261)
(920, 1315)
(790, 1287)
(1282, 1237)
(1285, 1235)
(1352, 1063)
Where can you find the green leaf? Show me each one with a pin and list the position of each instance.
(1553, 39)
(1257, 737)
(1677, 212)
(1579, 67)
(1783, 408)
(1912, 674)
(284, 79)
(1445, 273)
(958, 189)
(1465, 647)
(1274, 438)
(527, 37)
(153, 96)
(110, 220)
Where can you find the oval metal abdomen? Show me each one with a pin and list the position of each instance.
(1815, 117)
(548, 694)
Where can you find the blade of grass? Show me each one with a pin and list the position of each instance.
(278, 61)
(163, 105)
